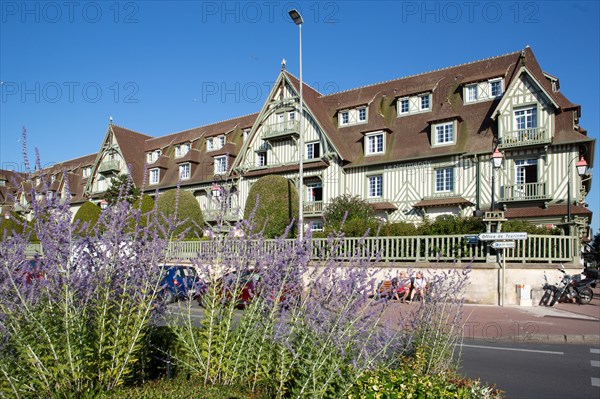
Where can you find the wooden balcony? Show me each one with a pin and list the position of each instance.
(525, 192)
(524, 137)
(110, 167)
(313, 208)
(280, 131)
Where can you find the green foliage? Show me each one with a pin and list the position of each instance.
(12, 225)
(451, 224)
(354, 206)
(189, 215)
(145, 204)
(88, 213)
(526, 227)
(121, 182)
(596, 247)
(406, 382)
(399, 229)
(277, 204)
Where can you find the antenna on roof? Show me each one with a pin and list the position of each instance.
(283, 64)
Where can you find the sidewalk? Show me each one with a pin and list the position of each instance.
(562, 323)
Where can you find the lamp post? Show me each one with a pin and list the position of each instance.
(297, 18)
(497, 158)
(581, 166)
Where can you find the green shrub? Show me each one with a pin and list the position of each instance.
(277, 204)
(348, 206)
(526, 227)
(358, 227)
(452, 224)
(145, 204)
(189, 215)
(12, 225)
(399, 229)
(88, 213)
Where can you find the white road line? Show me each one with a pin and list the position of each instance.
(596, 351)
(513, 349)
(595, 363)
(595, 382)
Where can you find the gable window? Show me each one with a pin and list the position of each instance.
(344, 118)
(526, 175)
(424, 102)
(261, 158)
(525, 119)
(362, 114)
(314, 192)
(313, 150)
(154, 176)
(375, 186)
(444, 180)
(87, 172)
(245, 134)
(220, 165)
(181, 150)
(374, 143)
(472, 93)
(184, 171)
(404, 106)
(496, 87)
(444, 133)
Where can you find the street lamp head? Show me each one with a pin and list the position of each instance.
(296, 17)
(581, 166)
(497, 158)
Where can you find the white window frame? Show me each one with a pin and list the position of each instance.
(317, 225)
(375, 186)
(87, 172)
(444, 180)
(185, 171)
(220, 142)
(372, 143)
(401, 101)
(359, 111)
(499, 81)
(437, 130)
(154, 176)
(472, 93)
(181, 150)
(423, 97)
(210, 144)
(221, 165)
(344, 118)
(310, 150)
(245, 134)
(261, 158)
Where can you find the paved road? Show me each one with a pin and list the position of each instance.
(526, 371)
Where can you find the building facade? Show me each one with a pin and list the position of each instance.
(417, 146)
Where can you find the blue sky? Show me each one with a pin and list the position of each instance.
(160, 67)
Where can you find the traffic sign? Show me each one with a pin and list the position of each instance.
(502, 244)
(502, 236)
(472, 239)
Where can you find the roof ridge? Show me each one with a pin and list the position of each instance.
(423, 73)
(304, 83)
(204, 126)
(132, 131)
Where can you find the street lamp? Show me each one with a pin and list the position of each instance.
(297, 18)
(497, 158)
(581, 166)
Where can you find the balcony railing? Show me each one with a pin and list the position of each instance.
(313, 208)
(280, 130)
(230, 215)
(109, 167)
(525, 192)
(524, 137)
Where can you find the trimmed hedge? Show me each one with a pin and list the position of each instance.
(277, 205)
(90, 213)
(188, 212)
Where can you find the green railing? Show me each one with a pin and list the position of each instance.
(530, 136)
(537, 248)
(525, 192)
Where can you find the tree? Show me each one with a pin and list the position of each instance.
(122, 182)
(349, 207)
(88, 213)
(189, 215)
(274, 201)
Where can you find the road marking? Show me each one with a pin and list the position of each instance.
(513, 349)
(595, 363)
(595, 382)
(597, 351)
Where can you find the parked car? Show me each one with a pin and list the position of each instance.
(246, 286)
(178, 282)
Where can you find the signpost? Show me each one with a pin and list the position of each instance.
(502, 244)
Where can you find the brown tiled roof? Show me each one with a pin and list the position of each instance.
(132, 144)
(436, 202)
(383, 206)
(539, 211)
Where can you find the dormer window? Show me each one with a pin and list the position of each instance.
(2, 182)
(353, 116)
(482, 91)
(181, 150)
(215, 143)
(154, 176)
(153, 156)
(496, 87)
(344, 118)
(374, 143)
(404, 106)
(184, 171)
(362, 114)
(413, 104)
(472, 93)
(444, 133)
(87, 172)
(424, 102)
(220, 165)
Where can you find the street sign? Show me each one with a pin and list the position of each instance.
(502, 244)
(472, 240)
(502, 236)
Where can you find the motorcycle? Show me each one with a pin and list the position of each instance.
(570, 287)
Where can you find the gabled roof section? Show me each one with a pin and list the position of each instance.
(131, 145)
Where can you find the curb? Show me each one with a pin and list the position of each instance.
(574, 339)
